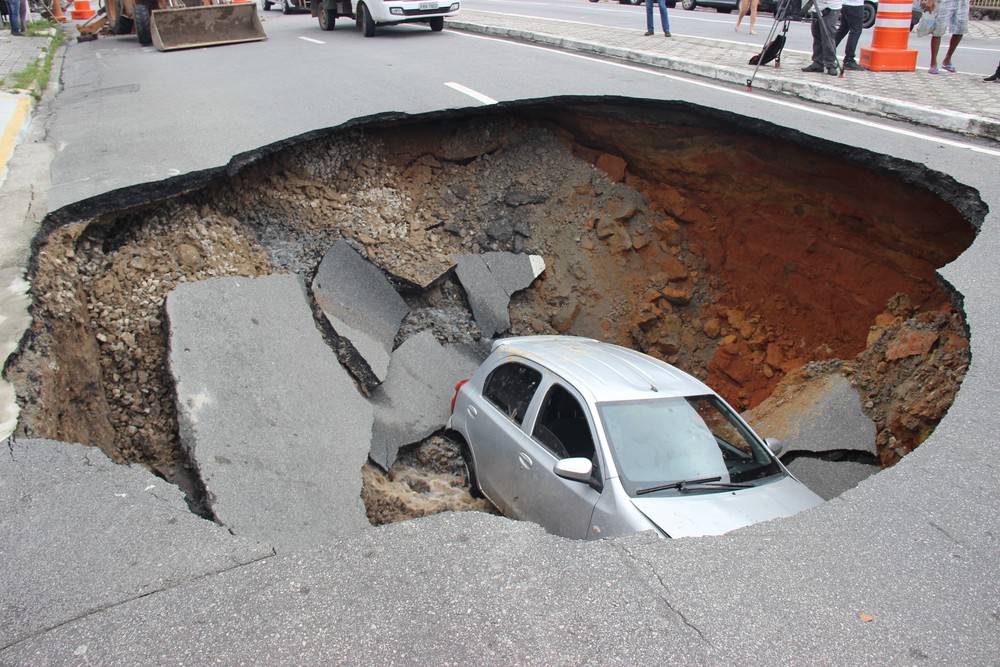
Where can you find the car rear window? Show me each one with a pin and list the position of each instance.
(510, 387)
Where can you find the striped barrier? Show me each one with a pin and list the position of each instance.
(888, 52)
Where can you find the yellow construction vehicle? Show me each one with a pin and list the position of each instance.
(185, 24)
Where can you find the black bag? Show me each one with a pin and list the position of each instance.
(770, 52)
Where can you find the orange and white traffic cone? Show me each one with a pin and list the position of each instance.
(57, 12)
(888, 52)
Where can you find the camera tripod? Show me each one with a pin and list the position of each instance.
(775, 43)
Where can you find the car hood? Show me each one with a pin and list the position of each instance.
(718, 512)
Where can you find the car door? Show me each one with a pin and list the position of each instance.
(561, 428)
(493, 428)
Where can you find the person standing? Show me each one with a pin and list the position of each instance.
(664, 21)
(18, 16)
(852, 19)
(824, 27)
(752, 6)
(951, 17)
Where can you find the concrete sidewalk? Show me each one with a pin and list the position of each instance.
(961, 103)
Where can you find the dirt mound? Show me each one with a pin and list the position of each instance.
(734, 255)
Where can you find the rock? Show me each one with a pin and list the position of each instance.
(613, 166)
(676, 296)
(274, 425)
(489, 281)
(360, 304)
(413, 401)
(910, 342)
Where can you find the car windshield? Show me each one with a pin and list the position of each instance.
(664, 440)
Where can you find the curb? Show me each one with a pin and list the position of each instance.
(17, 126)
(951, 121)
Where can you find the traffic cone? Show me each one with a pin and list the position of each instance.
(888, 52)
(81, 10)
(57, 12)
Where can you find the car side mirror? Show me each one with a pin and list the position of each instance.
(577, 468)
(775, 446)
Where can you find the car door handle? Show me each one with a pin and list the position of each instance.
(525, 461)
(472, 410)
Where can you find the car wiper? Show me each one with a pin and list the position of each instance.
(715, 482)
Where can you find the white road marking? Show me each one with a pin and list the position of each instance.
(310, 39)
(744, 93)
(471, 93)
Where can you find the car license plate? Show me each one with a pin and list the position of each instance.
(428, 5)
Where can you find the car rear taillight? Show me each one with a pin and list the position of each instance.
(455, 397)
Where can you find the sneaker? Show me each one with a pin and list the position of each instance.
(667, 34)
(853, 66)
(815, 67)
(648, 33)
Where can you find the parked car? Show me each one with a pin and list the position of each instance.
(721, 6)
(286, 6)
(593, 440)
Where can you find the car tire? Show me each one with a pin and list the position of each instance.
(437, 23)
(366, 24)
(689, 4)
(470, 472)
(638, 2)
(869, 16)
(327, 18)
(266, 4)
(140, 14)
(285, 8)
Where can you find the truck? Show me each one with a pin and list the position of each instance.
(367, 14)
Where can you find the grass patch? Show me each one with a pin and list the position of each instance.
(35, 77)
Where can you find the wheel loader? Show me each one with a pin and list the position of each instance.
(185, 24)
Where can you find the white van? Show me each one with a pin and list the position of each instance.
(370, 13)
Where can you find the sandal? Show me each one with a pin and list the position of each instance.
(949, 68)
(932, 70)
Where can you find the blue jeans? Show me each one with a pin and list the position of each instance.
(663, 15)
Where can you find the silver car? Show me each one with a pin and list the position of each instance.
(593, 440)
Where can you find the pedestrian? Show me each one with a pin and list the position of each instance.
(752, 6)
(950, 17)
(664, 21)
(4, 14)
(18, 16)
(824, 27)
(995, 76)
(852, 19)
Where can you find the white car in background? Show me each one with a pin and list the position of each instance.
(368, 14)
(593, 440)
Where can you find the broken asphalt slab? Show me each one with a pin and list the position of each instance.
(489, 281)
(822, 415)
(81, 535)
(829, 479)
(274, 425)
(413, 402)
(361, 305)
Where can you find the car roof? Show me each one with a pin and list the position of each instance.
(602, 371)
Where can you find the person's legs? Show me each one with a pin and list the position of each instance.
(664, 21)
(852, 20)
(753, 16)
(744, 6)
(15, 24)
(817, 43)
(828, 28)
(23, 7)
(952, 45)
(935, 45)
(649, 17)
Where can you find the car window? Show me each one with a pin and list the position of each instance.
(510, 387)
(562, 425)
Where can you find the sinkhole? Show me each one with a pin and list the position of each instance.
(761, 260)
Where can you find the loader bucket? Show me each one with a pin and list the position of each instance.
(191, 27)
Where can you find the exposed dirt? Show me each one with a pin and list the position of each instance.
(737, 256)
